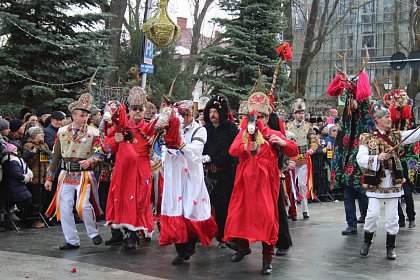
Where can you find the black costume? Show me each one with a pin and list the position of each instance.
(222, 166)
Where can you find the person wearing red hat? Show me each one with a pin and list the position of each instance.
(253, 211)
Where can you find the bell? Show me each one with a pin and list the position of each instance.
(160, 29)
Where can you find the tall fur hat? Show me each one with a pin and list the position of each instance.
(84, 103)
(221, 104)
(299, 105)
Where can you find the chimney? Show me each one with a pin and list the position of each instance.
(182, 22)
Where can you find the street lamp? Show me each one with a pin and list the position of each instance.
(388, 84)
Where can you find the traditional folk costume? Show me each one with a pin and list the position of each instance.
(222, 166)
(305, 139)
(402, 116)
(382, 180)
(186, 210)
(71, 146)
(129, 204)
(253, 212)
(355, 120)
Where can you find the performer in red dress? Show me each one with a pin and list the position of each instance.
(253, 213)
(129, 204)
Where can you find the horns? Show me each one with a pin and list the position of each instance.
(364, 63)
(344, 71)
(343, 59)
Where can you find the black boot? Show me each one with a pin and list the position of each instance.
(117, 237)
(267, 268)
(131, 240)
(390, 246)
(364, 251)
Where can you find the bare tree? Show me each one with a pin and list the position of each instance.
(198, 17)
(117, 9)
(414, 85)
(319, 26)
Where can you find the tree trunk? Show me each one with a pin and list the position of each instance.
(414, 85)
(306, 59)
(117, 9)
(396, 40)
(195, 41)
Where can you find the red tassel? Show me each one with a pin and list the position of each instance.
(363, 87)
(336, 87)
(393, 111)
(406, 112)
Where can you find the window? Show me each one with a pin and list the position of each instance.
(342, 42)
(342, 8)
(368, 41)
(369, 7)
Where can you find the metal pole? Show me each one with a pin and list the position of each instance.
(397, 60)
(146, 18)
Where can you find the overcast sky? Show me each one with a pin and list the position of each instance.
(183, 8)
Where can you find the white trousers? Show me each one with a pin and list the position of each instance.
(391, 215)
(302, 176)
(68, 225)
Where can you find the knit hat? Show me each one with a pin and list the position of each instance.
(136, 97)
(34, 131)
(10, 147)
(84, 103)
(221, 104)
(333, 111)
(260, 103)
(4, 124)
(332, 128)
(15, 125)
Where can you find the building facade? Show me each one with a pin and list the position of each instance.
(365, 22)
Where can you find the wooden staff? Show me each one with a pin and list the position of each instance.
(276, 73)
(402, 141)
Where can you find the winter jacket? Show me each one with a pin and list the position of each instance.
(37, 163)
(50, 132)
(16, 176)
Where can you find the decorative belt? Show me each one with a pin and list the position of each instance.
(73, 166)
(216, 168)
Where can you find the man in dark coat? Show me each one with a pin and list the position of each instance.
(51, 131)
(221, 132)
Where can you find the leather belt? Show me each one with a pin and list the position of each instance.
(216, 168)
